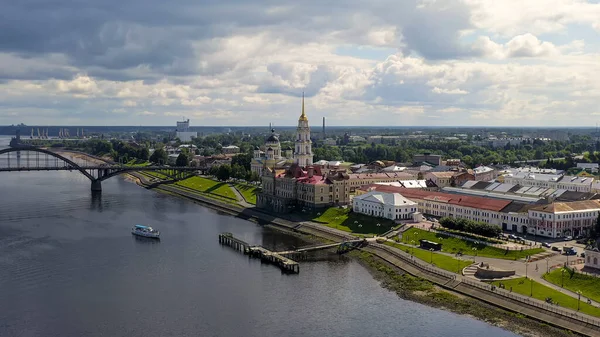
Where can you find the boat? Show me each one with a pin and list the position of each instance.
(145, 231)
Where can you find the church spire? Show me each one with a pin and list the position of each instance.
(303, 115)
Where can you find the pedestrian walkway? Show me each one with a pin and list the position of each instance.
(240, 198)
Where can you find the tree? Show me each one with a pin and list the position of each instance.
(224, 172)
(182, 160)
(159, 156)
(243, 160)
(595, 230)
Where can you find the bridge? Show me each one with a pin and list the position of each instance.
(38, 159)
(342, 247)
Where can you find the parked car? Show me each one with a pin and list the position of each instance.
(546, 244)
(556, 249)
(568, 238)
(512, 236)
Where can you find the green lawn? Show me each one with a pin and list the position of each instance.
(208, 186)
(345, 220)
(154, 174)
(541, 292)
(440, 260)
(248, 191)
(137, 163)
(588, 285)
(454, 245)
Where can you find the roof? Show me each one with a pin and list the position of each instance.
(564, 207)
(382, 175)
(142, 226)
(455, 199)
(384, 198)
(482, 169)
(447, 174)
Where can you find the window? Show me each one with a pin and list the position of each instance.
(595, 260)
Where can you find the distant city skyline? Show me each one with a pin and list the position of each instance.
(382, 63)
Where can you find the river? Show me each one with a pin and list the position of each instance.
(70, 267)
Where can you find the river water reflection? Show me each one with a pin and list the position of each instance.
(70, 267)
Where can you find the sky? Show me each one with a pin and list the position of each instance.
(234, 62)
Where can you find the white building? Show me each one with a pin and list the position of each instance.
(588, 166)
(561, 219)
(556, 181)
(484, 173)
(231, 149)
(303, 155)
(592, 258)
(183, 131)
(391, 206)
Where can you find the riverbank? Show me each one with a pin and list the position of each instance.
(436, 290)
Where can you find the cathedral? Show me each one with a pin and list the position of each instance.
(274, 157)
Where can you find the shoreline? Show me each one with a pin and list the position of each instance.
(401, 276)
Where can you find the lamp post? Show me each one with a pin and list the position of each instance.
(431, 251)
(531, 289)
(578, 299)
(378, 225)
(547, 267)
(413, 247)
(562, 278)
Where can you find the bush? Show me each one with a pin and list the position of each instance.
(470, 226)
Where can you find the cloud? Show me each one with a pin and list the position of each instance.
(526, 45)
(247, 63)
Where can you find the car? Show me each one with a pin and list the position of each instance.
(556, 249)
(546, 244)
(568, 238)
(512, 236)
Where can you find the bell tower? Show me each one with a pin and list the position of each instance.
(303, 155)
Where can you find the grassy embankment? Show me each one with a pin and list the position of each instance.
(439, 260)
(588, 285)
(202, 186)
(248, 191)
(208, 188)
(525, 287)
(455, 245)
(422, 291)
(348, 221)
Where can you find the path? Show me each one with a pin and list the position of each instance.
(522, 269)
(240, 198)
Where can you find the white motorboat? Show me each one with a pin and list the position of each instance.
(145, 231)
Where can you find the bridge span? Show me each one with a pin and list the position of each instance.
(38, 159)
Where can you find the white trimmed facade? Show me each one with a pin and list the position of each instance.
(391, 206)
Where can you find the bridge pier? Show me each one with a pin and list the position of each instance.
(96, 186)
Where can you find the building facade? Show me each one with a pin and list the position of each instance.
(183, 131)
(391, 206)
(556, 181)
(303, 155)
(562, 219)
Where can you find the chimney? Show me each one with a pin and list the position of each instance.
(311, 171)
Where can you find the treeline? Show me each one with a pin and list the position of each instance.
(472, 155)
(225, 172)
(470, 226)
(116, 149)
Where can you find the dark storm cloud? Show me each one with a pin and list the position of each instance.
(106, 37)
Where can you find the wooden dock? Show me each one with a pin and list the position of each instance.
(286, 265)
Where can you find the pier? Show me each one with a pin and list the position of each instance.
(283, 259)
(286, 265)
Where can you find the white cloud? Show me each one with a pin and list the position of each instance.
(526, 45)
(460, 62)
